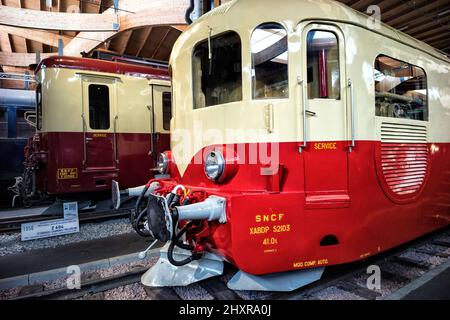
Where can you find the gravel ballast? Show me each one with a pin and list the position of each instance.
(11, 244)
(95, 273)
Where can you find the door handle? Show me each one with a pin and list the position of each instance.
(310, 113)
(352, 115)
(269, 118)
(301, 83)
(89, 139)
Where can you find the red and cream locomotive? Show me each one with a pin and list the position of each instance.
(302, 136)
(96, 121)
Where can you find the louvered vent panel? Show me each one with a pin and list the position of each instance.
(404, 157)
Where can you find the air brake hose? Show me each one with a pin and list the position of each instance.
(177, 242)
(135, 222)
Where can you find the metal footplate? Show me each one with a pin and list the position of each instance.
(165, 274)
(281, 282)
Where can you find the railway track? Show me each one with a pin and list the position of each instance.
(89, 287)
(14, 224)
(346, 281)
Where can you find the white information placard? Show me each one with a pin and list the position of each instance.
(52, 228)
(49, 228)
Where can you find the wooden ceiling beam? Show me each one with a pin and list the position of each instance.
(20, 59)
(5, 42)
(138, 40)
(46, 37)
(123, 43)
(400, 8)
(148, 13)
(362, 5)
(440, 44)
(419, 11)
(427, 26)
(18, 44)
(181, 27)
(27, 18)
(445, 29)
(155, 51)
(438, 37)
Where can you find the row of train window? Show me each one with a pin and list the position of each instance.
(99, 107)
(400, 88)
(19, 129)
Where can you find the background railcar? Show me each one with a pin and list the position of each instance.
(14, 134)
(319, 138)
(96, 121)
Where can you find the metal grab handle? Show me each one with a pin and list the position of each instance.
(115, 139)
(301, 82)
(84, 140)
(269, 118)
(352, 115)
(30, 114)
(152, 130)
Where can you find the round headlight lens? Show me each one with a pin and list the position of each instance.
(214, 165)
(162, 164)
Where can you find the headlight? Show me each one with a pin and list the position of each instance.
(162, 165)
(215, 165)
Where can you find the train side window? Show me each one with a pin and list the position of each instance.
(39, 106)
(269, 46)
(167, 109)
(323, 65)
(400, 89)
(99, 107)
(217, 71)
(3, 124)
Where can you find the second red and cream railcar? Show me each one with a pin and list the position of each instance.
(96, 121)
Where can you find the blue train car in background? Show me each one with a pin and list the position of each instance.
(16, 106)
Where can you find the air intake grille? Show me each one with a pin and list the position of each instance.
(404, 157)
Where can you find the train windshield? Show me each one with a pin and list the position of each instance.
(269, 47)
(217, 71)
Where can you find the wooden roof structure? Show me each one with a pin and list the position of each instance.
(426, 20)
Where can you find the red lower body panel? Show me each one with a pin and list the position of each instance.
(272, 231)
(69, 167)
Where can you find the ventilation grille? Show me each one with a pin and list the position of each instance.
(407, 133)
(404, 157)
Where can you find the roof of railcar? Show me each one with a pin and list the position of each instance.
(96, 65)
(248, 11)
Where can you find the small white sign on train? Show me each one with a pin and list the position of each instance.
(70, 210)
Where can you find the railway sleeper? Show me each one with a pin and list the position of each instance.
(358, 290)
(394, 277)
(413, 263)
(161, 293)
(433, 253)
(442, 243)
(219, 290)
